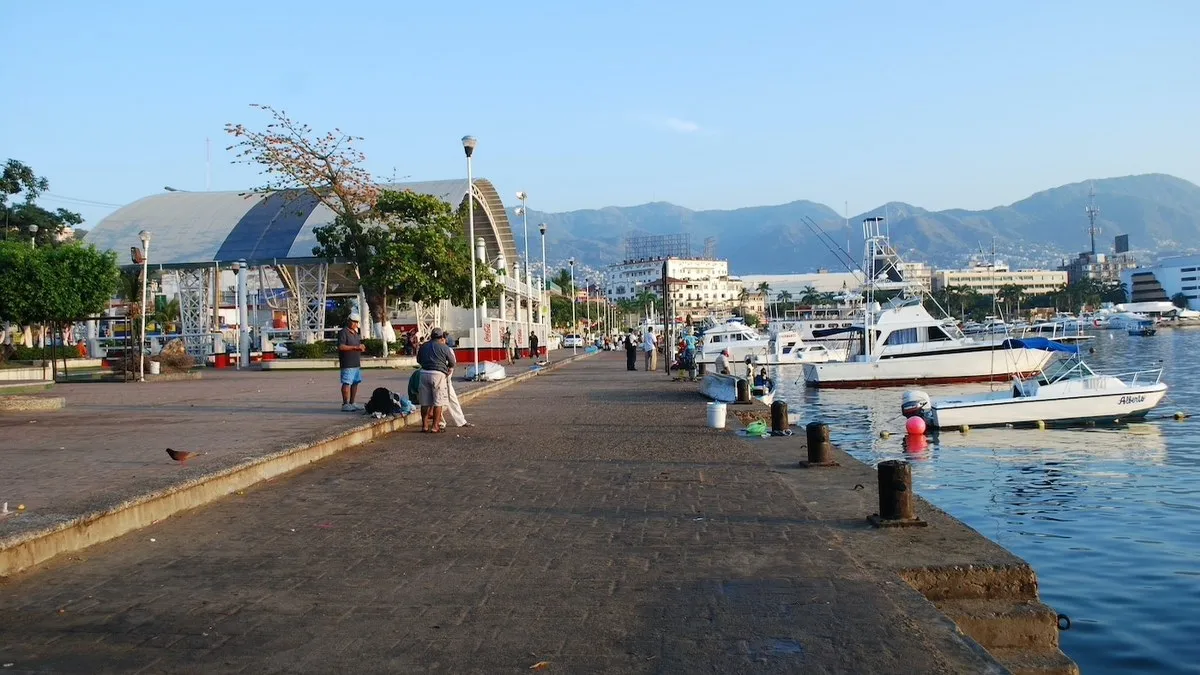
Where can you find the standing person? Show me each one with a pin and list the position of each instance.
(437, 366)
(350, 349)
(454, 408)
(630, 351)
(649, 347)
(506, 343)
(722, 364)
(533, 346)
(689, 354)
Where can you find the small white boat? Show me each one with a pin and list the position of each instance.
(1070, 392)
(779, 348)
(489, 372)
(1143, 328)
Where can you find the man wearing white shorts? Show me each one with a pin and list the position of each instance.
(437, 366)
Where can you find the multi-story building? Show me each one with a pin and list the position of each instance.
(987, 278)
(697, 285)
(754, 303)
(1098, 266)
(1164, 281)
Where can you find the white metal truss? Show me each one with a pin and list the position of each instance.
(429, 316)
(195, 311)
(310, 296)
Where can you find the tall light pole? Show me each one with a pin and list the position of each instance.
(33, 230)
(144, 235)
(528, 280)
(587, 303)
(574, 295)
(545, 277)
(468, 143)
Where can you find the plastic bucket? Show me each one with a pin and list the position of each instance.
(716, 415)
(154, 367)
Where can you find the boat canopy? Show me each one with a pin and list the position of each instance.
(1040, 343)
(826, 332)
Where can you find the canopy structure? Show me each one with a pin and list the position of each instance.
(1042, 343)
(198, 229)
(196, 234)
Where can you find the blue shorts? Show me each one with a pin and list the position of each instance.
(351, 376)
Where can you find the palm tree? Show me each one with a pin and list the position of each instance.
(168, 313)
(648, 300)
(809, 296)
(562, 279)
(765, 289)
(784, 298)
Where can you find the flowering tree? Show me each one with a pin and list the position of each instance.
(328, 166)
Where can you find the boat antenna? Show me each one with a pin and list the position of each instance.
(843, 255)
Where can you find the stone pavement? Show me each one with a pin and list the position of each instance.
(109, 442)
(590, 521)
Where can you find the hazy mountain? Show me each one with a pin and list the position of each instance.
(1160, 213)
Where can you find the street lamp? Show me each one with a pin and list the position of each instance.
(587, 303)
(144, 235)
(33, 230)
(468, 143)
(522, 195)
(544, 307)
(574, 323)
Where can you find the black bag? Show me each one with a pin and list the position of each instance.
(381, 402)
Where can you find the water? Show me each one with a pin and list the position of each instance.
(1109, 518)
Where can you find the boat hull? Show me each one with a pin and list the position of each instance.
(1112, 406)
(721, 388)
(983, 365)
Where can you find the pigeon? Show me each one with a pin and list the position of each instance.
(181, 455)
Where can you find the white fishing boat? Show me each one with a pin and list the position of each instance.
(779, 348)
(1071, 392)
(903, 343)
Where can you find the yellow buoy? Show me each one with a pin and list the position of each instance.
(20, 507)
(1041, 424)
(964, 429)
(885, 434)
(1180, 415)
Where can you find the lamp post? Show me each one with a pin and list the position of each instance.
(468, 143)
(144, 235)
(33, 230)
(545, 275)
(522, 195)
(241, 270)
(574, 323)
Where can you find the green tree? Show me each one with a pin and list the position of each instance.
(648, 302)
(1115, 292)
(1010, 296)
(562, 279)
(810, 296)
(19, 180)
(784, 299)
(751, 319)
(59, 284)
(1180, 300)
(765, 289)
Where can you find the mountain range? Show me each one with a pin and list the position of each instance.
(1160, 213)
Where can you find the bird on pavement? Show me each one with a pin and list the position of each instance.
(181, 455)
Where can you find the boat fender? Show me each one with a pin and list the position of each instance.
(914, 403)
(964, 428)
(1041, 424)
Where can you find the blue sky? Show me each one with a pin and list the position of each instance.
(705, 104)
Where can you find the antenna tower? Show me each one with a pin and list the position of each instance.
(710, 248)
(1092, 213)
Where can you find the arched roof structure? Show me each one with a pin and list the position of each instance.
(191, 229)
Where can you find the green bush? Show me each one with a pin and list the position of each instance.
(316, 350)
(374, 347)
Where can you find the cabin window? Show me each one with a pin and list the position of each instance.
(936, 334)
(820, 325)
(904, 336)
(716, 338)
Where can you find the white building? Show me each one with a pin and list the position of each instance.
(1164, 281)
(986, 278)
(822, 282)
(697, 284)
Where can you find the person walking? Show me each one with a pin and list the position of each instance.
(506, 343)
(630, 352)
(437, 367)
(350, 349)
(533, 346)
(649, 347)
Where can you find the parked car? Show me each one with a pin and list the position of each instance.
(572, 340)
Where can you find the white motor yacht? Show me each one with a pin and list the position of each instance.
(1071, 392)
(777, 349)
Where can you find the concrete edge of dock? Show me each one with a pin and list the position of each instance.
(46, 538)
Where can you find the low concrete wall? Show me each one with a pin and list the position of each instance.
(31, 403)
(41, 541)
(332, 364)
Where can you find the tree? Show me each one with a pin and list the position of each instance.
(58, 284)
(751, 319)
(1180, 300)
(562, 279)
(784, 298)
(648, 301)
(1115, 292)
(16, 179)
(810, 296)
(1010, 295)
(327, 167)
(765, 289)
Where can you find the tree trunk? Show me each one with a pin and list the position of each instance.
(377, 304)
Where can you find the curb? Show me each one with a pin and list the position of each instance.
(22, 403)
(27, 549)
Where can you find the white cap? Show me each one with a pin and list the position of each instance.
(355, 317)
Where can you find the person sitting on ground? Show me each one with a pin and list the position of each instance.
(722, 364)
(437, 366)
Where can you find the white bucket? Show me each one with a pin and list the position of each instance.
(154, 367)
(716, 415)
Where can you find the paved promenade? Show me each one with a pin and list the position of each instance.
(109, 442)
(590, 521)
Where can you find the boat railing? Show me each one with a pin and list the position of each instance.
(1144, 375)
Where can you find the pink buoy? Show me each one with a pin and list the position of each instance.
(915, 425)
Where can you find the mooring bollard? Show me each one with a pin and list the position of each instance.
(820, 450)
(703, 369)
(779, 417)
(743, 392)
(895, 496)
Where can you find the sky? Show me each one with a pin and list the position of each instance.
(705, 104)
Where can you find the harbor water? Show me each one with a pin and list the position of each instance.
(1109, 517)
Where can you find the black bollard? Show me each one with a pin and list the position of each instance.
(743, 391)
(820, 450)
(702, 369)
(895, 496)
(779, 417)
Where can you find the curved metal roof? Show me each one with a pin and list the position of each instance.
(202, 228)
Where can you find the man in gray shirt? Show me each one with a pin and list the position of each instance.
(350, 349)
(437, 366)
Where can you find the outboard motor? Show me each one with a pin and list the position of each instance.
(914, 403)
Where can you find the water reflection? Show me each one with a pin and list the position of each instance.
(1109, 517)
